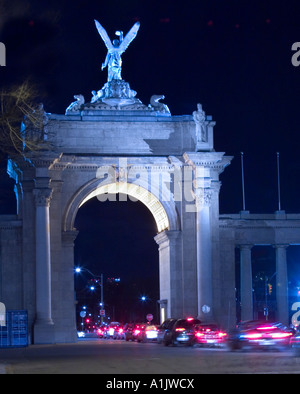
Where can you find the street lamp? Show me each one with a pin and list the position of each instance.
(78, 270)
(143, 300)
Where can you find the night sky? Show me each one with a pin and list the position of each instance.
(233, 57)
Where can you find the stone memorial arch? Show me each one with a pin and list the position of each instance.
(116, 144)
(166, 162)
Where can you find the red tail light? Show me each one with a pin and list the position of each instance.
(179, 329)
(266, 328)
(120, 330)
(199, 334)
(253, 335)
(137, 331)
(222, 334)
(281, 335)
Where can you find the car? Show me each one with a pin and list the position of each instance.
(209, 335)
(181, 332)
(119, 333)
(148, 333)
(100, 331)
(259, 335)
(128, 327)
(133, 330)
(295, 342)
(110, 329)
(166, 325)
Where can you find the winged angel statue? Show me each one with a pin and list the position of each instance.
(115, 49)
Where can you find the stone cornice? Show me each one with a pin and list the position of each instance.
(258, 224)
(10, 224)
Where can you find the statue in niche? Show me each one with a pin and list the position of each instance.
(115, 49)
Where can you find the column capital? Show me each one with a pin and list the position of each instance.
(202, 196)
(42, 196)
(215, 161)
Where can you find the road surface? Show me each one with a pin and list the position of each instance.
(103, 357)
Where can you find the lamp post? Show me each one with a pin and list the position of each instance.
(143, 299)
(102, 302)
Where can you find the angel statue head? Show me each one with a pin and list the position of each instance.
(115, 49)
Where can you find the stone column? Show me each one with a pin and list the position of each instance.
(282, 284)
(246, 283)
(28, 251)
(67, 331)
(44, 326)
(206, 167)
(170, 272)
(204, 253)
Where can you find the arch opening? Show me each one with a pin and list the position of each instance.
(136, 193)
(105, 245)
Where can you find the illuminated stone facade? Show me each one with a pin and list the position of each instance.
(167, 162)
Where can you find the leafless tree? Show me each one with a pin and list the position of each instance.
(22, 120)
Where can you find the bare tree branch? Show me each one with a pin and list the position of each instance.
(22, 121)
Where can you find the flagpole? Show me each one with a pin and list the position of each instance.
(243, 180)
(278, 183)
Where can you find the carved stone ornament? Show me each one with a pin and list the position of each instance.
(34, 125)
(156, 105)
(115, 94)
(42, 196)
(202, 196)
(77, 105)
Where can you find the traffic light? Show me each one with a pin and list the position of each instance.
(269, 288)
